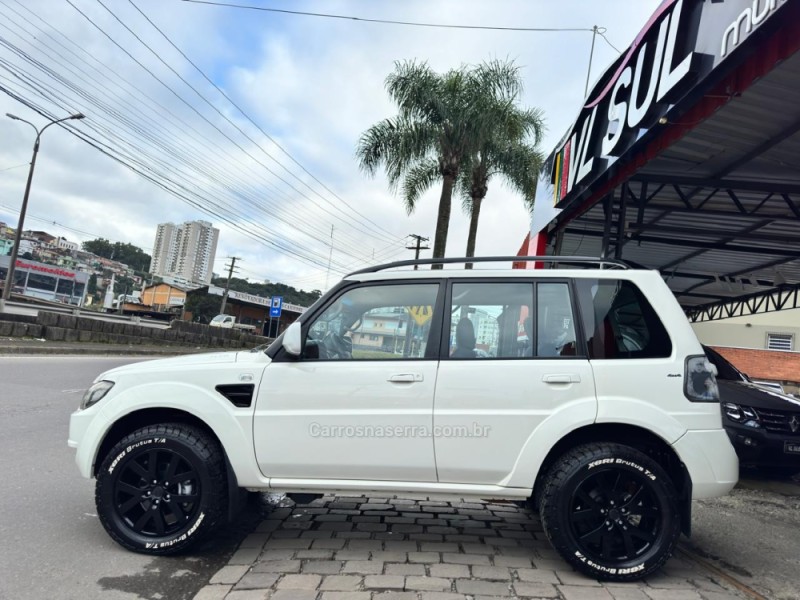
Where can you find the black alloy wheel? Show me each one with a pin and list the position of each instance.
(611, 511)
(157, 492)
(615, 515)
(162, 488)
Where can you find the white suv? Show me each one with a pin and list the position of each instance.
(584, 390)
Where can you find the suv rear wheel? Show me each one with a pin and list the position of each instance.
(610, 511)
(161, 488)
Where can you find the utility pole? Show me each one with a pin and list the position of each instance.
(233, 260)
(9, 282)
(418, 247)
(330, 257)
(595, 31)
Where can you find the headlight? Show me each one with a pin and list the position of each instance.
(733, 411)
(96, 393)
(741, 414)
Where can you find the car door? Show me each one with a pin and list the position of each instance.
(510, 369)
(358, 403)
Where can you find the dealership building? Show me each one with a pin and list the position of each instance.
(47, 282)
(684, 157)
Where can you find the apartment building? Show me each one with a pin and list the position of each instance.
(185, 251)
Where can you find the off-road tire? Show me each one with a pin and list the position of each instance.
(146, 512)
(611, 511)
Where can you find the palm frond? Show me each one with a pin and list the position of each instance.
(419, 178)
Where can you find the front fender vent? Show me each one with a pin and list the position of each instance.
(239, 394)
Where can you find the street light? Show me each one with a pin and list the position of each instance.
(9, 282)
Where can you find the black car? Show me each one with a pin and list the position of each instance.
(763, 424)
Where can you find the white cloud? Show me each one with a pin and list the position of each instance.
(314, 85)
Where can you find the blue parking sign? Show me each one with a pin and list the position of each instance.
(277, 306)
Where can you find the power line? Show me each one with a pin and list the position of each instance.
(386, 21)
(154, 178)
(253, 122)
(139, 130)
(14, 167)
(602, 33)
(73, 229)
(189, 105)
(73, 86)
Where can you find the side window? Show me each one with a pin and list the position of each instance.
(554, 321)
(620, 322)
(374, 322)
(491, 320)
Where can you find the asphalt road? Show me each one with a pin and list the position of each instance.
(754, 535)
(53, 545)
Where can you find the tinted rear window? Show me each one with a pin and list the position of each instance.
(619, 322)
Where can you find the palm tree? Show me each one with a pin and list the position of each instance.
(433, 132)
(500, 147)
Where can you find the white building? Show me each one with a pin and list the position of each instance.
(185, 251)
(65, 244)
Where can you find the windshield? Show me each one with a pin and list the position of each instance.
(219, 319)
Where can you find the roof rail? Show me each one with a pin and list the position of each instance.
(600, 262)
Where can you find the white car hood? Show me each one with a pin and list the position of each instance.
(188, 360)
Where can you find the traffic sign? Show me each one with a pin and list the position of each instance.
(277, 306)
(421, 314)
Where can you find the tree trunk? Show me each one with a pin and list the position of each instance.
(473, 227)
(443, 220)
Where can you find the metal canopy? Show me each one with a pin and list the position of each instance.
(715, 204)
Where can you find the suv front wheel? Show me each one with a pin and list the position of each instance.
(610, 511)
(161, 488)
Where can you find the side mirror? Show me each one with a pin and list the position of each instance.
(293, 340)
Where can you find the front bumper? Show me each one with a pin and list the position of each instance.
(761, 447)
(85, 426)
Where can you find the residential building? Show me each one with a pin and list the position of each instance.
(41, 236)
(65, 244)
(185, 251)
(164, 297)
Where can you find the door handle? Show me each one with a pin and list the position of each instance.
(561, 378)
(405, 378)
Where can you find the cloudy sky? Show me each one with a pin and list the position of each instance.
(258, 135)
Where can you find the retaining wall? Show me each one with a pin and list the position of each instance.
(68, 328)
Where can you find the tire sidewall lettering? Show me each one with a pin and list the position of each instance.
(130, 448)
(621, 462)
(178, 539)
(610, 570)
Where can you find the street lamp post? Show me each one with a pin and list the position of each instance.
(9, 282)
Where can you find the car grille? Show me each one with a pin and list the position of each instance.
(779, 421)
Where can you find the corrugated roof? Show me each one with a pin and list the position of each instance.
(718, 211)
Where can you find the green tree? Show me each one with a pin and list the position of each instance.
(439, 120)
(91, 286)
(202, 306)
(505, 144)
(127, 254)
(289, 294)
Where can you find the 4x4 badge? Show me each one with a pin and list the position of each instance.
(794, 424)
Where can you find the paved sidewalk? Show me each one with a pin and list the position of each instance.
(379, 548)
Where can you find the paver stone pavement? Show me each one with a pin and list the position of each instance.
(416, 548)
